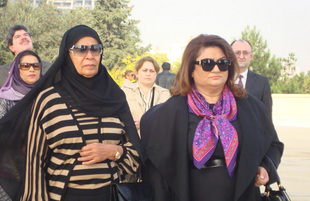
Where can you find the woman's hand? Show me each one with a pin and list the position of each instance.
(262, 177)
(97, 152)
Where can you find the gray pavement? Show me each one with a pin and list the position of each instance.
(294, 169)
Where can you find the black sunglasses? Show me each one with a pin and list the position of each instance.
(208, 64)
(82, 50)
(27, 66)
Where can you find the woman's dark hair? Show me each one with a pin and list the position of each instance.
(11, 32)
(184, 82)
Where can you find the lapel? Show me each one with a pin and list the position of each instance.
(250, 82)
(252, 149)
(137, 96)
(161, 148)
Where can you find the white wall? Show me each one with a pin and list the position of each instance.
(291, 109)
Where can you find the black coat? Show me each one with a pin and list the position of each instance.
(164, 135)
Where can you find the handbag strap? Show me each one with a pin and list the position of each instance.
(281, 188)
(275, 169)
(153, 94)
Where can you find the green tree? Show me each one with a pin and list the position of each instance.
(43, 22)
(3, 3)
(262, 63)
(288, 64)
(120, 35)
(47, 25)
(298, 84)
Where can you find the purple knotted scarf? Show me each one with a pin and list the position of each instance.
(214, 125)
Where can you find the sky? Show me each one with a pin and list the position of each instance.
(284, 24)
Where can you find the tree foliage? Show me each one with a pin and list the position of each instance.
(3, 3)
(43, 23)
(279, 71)
(262, 63)
(119, 33)
(47, 24)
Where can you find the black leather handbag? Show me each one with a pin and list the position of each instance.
(134, 191)
(275, 195)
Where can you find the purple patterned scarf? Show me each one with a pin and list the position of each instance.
(214, 125)
(15, 88)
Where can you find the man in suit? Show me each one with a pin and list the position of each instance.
(165, 79)
(18, 39)
(255, 84)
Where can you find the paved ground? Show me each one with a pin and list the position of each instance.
(294, 169)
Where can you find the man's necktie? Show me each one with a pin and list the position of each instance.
(240, 81)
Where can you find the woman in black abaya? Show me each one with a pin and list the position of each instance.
(80, 132)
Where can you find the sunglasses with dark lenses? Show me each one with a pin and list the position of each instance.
(208, 64)
(82, 50)
(27, 66)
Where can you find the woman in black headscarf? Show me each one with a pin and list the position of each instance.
(80, 132)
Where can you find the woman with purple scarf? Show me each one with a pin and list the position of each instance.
(210, 141)
(24, 73)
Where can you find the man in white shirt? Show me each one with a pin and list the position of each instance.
(255, 84)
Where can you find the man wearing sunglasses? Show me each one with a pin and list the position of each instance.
(254, 83)
(18, 39)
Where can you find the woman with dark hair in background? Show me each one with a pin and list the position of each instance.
(210, 141)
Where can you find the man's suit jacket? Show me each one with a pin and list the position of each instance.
(5, 69)
(165, 79)
(258, 86)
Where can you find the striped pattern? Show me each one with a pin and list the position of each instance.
(56, 136)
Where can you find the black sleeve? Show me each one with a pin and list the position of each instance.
(161, 191)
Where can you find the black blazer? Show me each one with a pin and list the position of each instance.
(258, 86)
(164, 136)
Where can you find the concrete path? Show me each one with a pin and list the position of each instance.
(294, 169)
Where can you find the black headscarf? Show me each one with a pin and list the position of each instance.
(98, 96)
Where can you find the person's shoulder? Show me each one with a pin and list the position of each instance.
(46, 63)
(6, 67)
(48, 93)
(160, 74)
(173, 106)
(45, 66)
(251, 101)
(258, 75)
(172, 103)
(161, 89)
(129, 87)
(172, 74)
